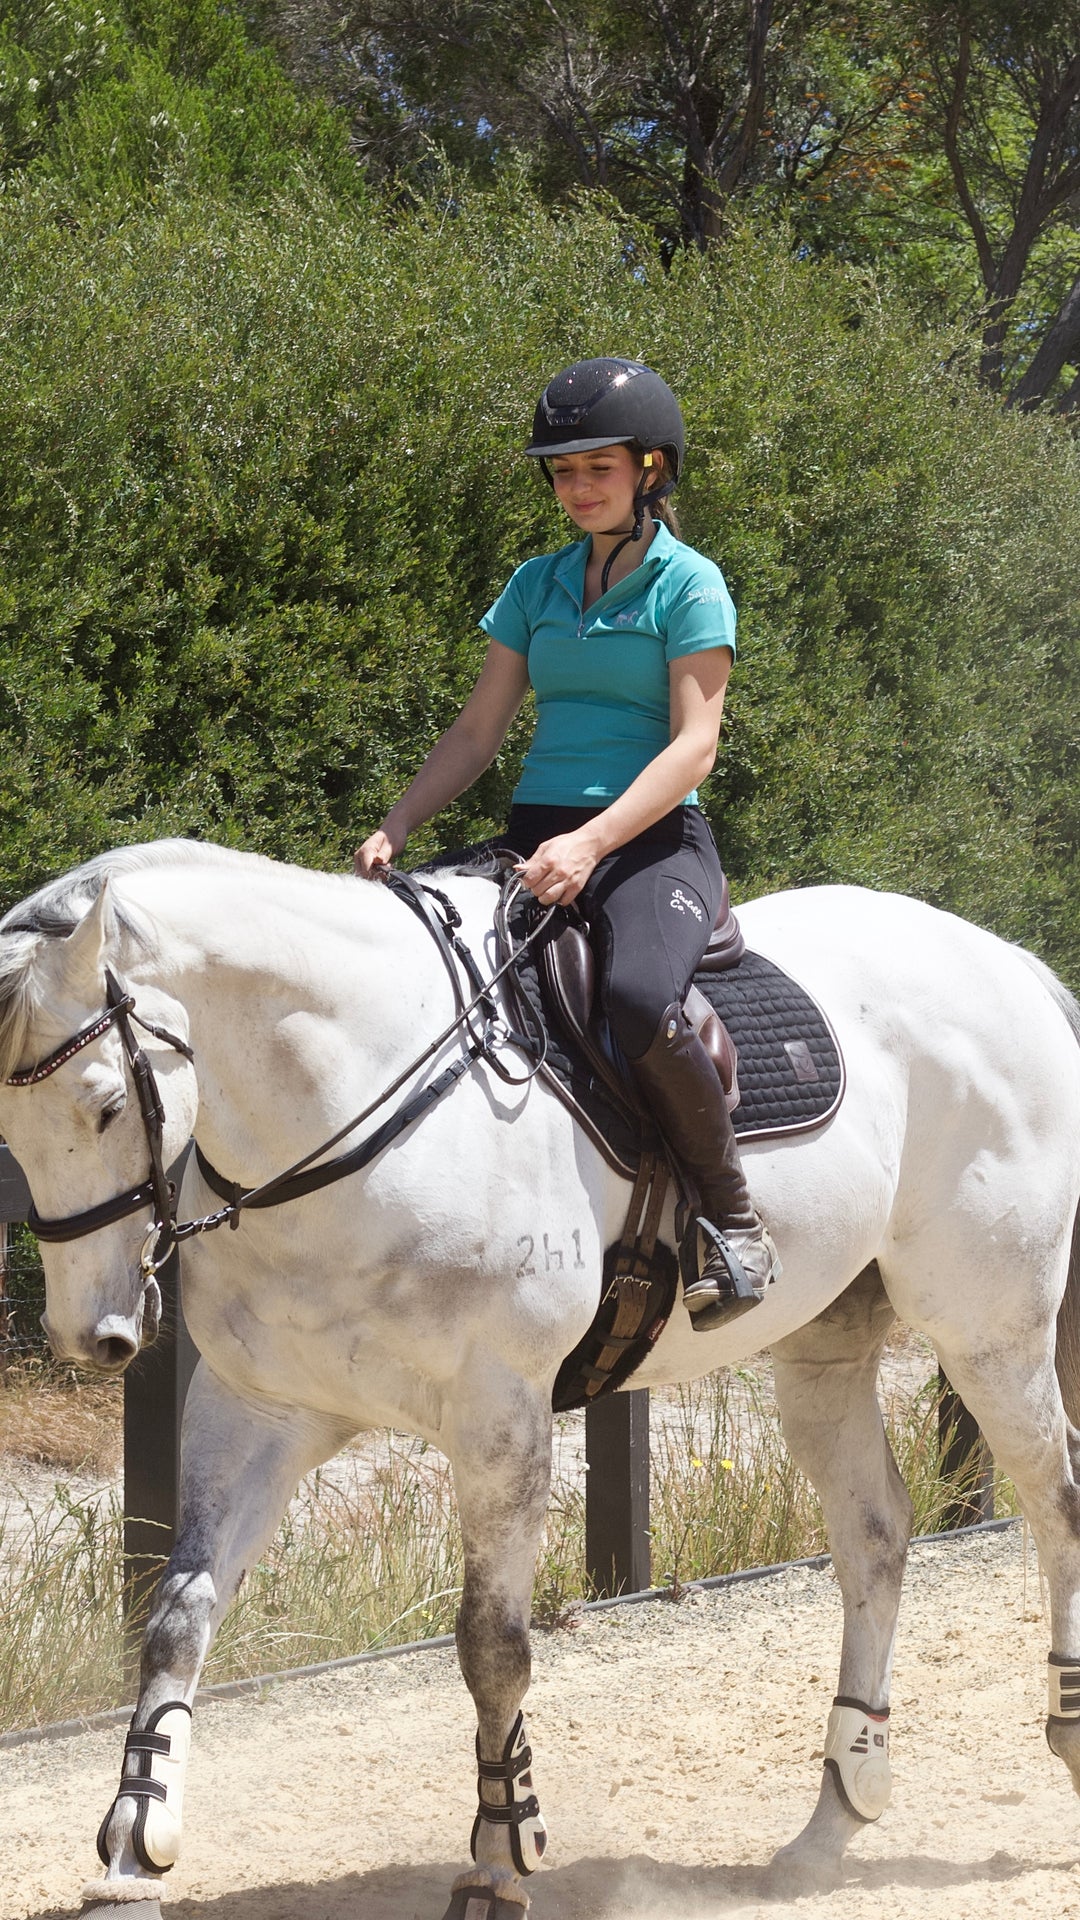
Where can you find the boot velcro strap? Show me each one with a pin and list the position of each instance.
(511, 1816)
(137, 1788)
(507, 1770)
(148, 1743)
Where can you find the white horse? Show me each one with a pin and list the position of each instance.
(944, 1190)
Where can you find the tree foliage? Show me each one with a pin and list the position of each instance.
(944, 141)
(122, 98)
(259, 474)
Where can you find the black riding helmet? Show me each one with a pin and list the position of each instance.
(608, 403)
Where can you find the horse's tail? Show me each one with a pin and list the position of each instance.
(1067, 1357)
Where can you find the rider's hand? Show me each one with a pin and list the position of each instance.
(559, 868)
(377, 851)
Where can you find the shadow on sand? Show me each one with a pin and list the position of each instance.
(637, 1888)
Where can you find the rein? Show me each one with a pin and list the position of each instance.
(165, 1232)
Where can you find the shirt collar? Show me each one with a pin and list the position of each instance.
(572, 561)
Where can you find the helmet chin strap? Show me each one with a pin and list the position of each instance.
(643, 497)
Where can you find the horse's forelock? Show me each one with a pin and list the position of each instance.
(19, 996)
(52, 913)
(27, 934)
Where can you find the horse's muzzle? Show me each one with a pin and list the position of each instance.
(117, 1338)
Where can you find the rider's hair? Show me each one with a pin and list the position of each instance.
(663, 510)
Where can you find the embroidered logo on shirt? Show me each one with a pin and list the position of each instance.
(626, 619)
(682, 903)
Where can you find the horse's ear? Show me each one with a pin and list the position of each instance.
(87, 945)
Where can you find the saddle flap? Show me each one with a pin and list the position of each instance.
(568, 971)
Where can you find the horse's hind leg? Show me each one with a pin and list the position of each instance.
(826, 1381)
(1009, 1384)
(501, 1456)
(240, 1468)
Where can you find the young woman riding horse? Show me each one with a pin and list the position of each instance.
(627, 638)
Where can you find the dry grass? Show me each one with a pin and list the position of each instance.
(51, 1419)
(370, 1554)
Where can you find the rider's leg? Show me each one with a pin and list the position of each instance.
(683, 1090)
(653, 904)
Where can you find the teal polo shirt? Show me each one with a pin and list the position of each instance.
(600, 675)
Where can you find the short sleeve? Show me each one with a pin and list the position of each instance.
(701, 614)
(507, 620)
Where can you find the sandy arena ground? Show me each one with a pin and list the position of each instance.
(677, 1746)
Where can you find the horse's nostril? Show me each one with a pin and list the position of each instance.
(114, 1342)
(114, 1353)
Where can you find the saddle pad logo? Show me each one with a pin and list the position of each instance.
(802, 1060)
(684, 903)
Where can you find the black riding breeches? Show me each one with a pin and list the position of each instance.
(651, 906)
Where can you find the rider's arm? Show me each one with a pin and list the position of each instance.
(458, 757)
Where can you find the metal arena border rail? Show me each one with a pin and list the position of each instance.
(617, 1543)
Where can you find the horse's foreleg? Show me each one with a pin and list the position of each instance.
(826, 1378)
(240, 1468)
(502, 1473)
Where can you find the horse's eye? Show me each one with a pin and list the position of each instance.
(110, 1113)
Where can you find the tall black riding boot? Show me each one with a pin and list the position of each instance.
(682, 1088)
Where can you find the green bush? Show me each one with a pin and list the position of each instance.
(259, 474)
(121, 99)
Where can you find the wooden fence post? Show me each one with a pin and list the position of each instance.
(14, 1206)
(617, 1544)
(155, 1388)
(14, 1190)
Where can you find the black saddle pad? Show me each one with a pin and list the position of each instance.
(791, 1074)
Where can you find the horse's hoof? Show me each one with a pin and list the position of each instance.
(121, 1900)
(484, 1903)
(795, 1873)
(122, 1910)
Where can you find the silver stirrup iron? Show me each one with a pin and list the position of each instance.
(520, 1812)
(857, 1756)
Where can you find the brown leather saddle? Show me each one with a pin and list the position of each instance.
(567, 967)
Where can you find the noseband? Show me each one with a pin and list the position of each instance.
(157, 1190)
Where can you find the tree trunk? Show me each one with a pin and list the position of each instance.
(1061, 343)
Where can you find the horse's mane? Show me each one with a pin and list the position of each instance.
(55, 910)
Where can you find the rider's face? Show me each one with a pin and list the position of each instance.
(597, 489)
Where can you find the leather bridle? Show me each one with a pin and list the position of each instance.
(478, 1017)
(157, 1190)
